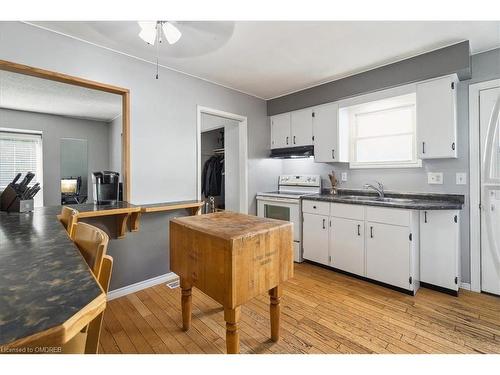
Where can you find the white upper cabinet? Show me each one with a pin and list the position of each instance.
(301, 128)
(280, 131)
(326, 134)
(437, 118)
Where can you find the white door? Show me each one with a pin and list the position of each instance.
(280, 131)
(315, 238)
(232, 167)
(440, 248)
(388, 254)
(347, 245)
(325, 131)
(436, 119)
(489, 105)
(301, 128)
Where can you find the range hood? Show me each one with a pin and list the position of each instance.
(292, 152)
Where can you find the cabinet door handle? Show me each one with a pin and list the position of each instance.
(333, 153)
(359, 230)
(371, 232)
(324, 222)
(286, 140)
(294, 140)
(425, 216)
(423, 147)
(314, 207)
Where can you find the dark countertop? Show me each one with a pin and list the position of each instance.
(43, 278)
(168, 206)
(91, 207)
(411, 201)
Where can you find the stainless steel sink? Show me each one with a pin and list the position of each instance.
(367, 198)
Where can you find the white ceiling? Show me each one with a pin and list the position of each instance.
(26, 93)
(272, 58)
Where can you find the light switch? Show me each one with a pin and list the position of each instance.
(343, 176)
(461, 178)
(435, 178)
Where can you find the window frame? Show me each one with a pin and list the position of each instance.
(38, 199)
(387, 102)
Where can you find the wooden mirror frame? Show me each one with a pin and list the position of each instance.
(71, 80)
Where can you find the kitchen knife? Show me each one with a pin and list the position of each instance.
(25, 182)
(30, 193)
(18, 176)
(34, 191)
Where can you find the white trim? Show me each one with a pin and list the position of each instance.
(120, 292)
(140, 59)
(475, 181)
(465, 286)
(243, 151)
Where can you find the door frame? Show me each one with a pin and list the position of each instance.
(242, 150)
(475, 181)
(82, 82)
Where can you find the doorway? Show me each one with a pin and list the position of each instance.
(222, 137)
(485, 187)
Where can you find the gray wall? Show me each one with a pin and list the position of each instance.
(54, 128)
(485, 66)
(440, 62)
(163, 111)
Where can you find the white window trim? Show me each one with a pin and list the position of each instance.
(38, 199)
(415, 163)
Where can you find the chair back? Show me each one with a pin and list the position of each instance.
(68, 218)
(92, 243)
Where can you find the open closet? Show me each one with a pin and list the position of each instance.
(213, 171)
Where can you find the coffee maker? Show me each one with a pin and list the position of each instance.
(106, 187)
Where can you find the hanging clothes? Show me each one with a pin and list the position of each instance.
(212, 176)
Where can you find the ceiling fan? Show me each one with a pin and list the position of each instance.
(152, 33)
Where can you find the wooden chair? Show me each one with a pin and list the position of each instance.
(68, 218)
(92, 243)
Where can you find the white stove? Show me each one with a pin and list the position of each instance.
(284, 204)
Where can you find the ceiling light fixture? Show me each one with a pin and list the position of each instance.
(152, 33)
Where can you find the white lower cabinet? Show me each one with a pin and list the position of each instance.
(315, 238)
(379, 243)
(347, 243)
(440, 248)
(388, 249)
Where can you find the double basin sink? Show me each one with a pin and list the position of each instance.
(367, 198)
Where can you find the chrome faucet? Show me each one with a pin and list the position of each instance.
(379, 189)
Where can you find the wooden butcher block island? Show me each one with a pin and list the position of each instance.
(232, 258)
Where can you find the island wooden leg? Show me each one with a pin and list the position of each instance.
(186, 305)
(232, 318)
(274, 308)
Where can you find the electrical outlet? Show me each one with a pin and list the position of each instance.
(461, 178)
(435, 178)
(343, 176)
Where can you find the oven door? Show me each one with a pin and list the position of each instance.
(283, 209)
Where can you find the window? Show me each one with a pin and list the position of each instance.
(21, 152)
(382, 133)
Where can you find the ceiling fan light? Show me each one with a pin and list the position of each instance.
(148, 31)
(172, 33)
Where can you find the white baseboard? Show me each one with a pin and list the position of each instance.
(120, 292)
(465, 286)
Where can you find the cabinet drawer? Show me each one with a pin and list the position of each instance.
(347, 211)
(316, 207)
(392, 216)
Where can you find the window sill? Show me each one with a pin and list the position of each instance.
(417, 164)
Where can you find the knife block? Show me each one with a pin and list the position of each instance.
(10, 202)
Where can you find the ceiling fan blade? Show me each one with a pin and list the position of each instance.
(172, 33)
(148, 31)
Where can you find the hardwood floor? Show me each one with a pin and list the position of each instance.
(322, 312)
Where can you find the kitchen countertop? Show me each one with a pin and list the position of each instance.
(412, 201)
(44, 280)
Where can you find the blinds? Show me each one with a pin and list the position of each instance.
(20, 153)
